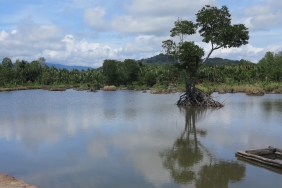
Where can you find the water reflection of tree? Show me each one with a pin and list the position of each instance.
(220, 174)
(187, 151)
(175, 159)
(272, 106)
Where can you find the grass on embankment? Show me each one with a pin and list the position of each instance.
(257, 89)
(19, 88)
(30, 87)
(249, 89)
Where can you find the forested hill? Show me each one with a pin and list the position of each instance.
(158, 59)
(220, 61)
(163, 59)
(68, 67)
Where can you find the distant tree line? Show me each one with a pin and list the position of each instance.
(162, 59)
(132, 73)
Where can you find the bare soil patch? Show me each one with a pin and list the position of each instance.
(7, 181)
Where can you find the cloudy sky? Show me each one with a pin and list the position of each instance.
(84, 32)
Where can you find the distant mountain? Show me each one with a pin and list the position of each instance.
(164, 59)
(158, 59)
(59, 66)
(220, 61)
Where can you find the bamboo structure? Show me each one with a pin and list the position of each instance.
(262, 156)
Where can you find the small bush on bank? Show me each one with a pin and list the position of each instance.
(110, 88)
(271, 87)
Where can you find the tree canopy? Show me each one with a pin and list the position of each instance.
(7, 62)
(214, 25)
(271, 65)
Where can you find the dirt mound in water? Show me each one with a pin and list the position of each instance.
(7, 181)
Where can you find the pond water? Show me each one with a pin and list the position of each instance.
(134, 139)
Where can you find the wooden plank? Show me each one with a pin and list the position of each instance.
(278, 153)
(260, 159)
(259, 164)
(260, 151)
(257, 155)
(277, 149)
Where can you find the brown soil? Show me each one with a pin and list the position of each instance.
(7, 181)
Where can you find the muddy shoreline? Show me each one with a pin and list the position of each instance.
(7, 181)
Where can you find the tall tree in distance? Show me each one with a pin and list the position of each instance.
(7, 62)
(110, 70)
(41, 60)
(214, 25)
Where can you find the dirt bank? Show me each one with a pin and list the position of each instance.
(7, 181)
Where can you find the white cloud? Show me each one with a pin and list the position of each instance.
(84, 52)
(253, 49)
(263, 16)
(167, 7)
(143, 25)
(3, 35)
(143, 44)
(248, 52)
(144, 16)
(14, 32)
(125, 29)
(29, 40)
(93, 54)
(94, 17)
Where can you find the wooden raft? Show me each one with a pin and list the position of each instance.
(259, 155)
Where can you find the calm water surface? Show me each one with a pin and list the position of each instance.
(135, 139)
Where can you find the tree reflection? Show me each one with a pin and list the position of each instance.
(272, 106)
(184, 152)
(220, 174)
(190, 162)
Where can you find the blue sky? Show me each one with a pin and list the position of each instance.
(83, 32)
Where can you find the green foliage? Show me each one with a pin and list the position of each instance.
(117, 72)
(220, 61)
(110, 70)
(271, 66)
(170, 48)
(131, 70)
(41, 60)
(7, 75)
(160, 59)
(182, 28)
(265, 75)
(190, 56)
(163, 59)
(7, 62)
(46, 78)
(216, 28)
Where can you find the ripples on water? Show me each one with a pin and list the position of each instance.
(135, 139)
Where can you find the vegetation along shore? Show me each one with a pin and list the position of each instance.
(226, 76)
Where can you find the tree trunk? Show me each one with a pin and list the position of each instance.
(196, 97)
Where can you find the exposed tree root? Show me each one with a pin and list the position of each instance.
(197, 98)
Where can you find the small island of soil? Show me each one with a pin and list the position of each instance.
(7, 181)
